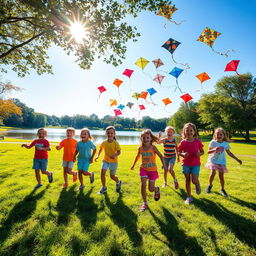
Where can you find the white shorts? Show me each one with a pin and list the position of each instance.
(69, 164)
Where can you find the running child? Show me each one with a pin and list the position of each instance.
(190, 149)
(217, 158)
(86, 151)
(170, 153)
(69, 145)
(40, 162)
(148, 168)
(111, 151)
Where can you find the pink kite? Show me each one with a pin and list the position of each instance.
(158, 63)
(118, 112)
(159, 78)
(128, 72)
(142, 107)
(101, 89)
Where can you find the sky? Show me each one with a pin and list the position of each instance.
(72, 90)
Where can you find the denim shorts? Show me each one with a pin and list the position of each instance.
(169, 161)
(69, 164)
(83, 164)
(191, 169)
(40, 164)
(111, 166)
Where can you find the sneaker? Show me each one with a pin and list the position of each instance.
(102, 190)
(118, 186)
(38, 186)
(75, 177)
(92, 178)
(164, 185)
(157, 194)
(223, 192)
(81, 187)
(208, 189)
(50, 177)
(198, 188)
(176, 184)
(143, 207)
(188, 200)
(65, 185)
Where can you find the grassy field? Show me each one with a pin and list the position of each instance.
(52, 221)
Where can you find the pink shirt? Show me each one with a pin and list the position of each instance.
(40, 154)
(192, 147)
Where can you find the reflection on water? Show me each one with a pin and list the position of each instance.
(56, 134)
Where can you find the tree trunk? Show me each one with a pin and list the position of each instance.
(247, 135)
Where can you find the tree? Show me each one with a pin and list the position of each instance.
(29, 27)
(232, 105)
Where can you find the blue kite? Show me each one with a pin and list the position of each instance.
(176, 72)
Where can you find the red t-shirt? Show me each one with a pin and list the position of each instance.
(40, 154)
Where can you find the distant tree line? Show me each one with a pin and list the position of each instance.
(31, 119)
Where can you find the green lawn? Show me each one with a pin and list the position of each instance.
(52, 221)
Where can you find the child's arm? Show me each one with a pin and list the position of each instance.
(177, 153)
(59, 147)
(28, 146)
(118, 152)
(160, 156)
(201, 152)
(136, 159)
(44, 148)
(98, 154)
(74, 158)
(160, 141)
(233, 156)
(93, 154)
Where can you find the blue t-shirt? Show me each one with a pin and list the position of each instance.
(85, 149)
(219, 157)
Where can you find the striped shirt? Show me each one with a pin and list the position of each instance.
(170, 148)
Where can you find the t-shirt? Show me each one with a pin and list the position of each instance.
(148, 159)
(69, 146)
(169, 148)
(218, 157)
(192, 147)
(110, 148)
(40, 154)
(85, 149)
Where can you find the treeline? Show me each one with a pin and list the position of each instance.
(30, 119)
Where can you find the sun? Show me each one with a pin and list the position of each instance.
(78, 31)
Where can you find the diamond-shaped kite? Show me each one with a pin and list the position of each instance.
(142, 63)
(128, 72)
(203, 77)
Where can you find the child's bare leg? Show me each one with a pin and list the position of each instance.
(80, 176)
(38, 177)
(188, 185)
(47, 173)
(103, 177)
(165, 177)
(151, 186)
(143, 189)
(114, 177)
(172, 171)
(69, 171)
(211, 177)
(195, 179)
(221, 177)
(65, 174)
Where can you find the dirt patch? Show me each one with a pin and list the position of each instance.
(251, 156)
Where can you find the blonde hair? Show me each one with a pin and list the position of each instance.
(169, 128)
(41, 129)
(149, 132)
(220, 130)
(113, 128)
(185, 126)
(71, 129)
(88, 131)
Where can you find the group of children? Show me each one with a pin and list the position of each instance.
(190, 149)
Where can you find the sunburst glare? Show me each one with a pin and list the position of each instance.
(78, 31)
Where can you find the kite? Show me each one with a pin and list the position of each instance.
(142, 107)
(121, 106)
(203, 77)
(208, 36)
(129, 104)
(117, 83)
(118, 112)
(142, 63)
(186, 97)
(151, 91)
(158, 63)
(128, 72)
(143, 95)
(159, 78)
(136, 95)
(113, 102)
(176, 72)
(101, 89)
(232, 66)
(166, 102)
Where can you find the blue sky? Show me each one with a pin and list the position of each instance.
(72, 90)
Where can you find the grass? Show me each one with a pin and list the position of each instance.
(52, 221)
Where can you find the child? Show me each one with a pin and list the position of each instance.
(190, 149)
(41, 156)
(69, 145)
(112, 151)
(217, 158)
(148, 168)
(170, 152)
(86, 151)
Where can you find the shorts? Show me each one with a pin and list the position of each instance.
(83, 164)
(169, 161)
(40, 164)
(217, 167)
(69, 164)
(150, 175)
(191, 169)
(111, 166)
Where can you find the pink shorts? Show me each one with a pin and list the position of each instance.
(217, 167)
(151, 175)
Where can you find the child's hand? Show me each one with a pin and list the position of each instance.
(178, 159)
(91, 160)
(239, 161)
(74, 159)
(113, 156)
(185, 154)
(132, 168)
(159, 134)
(23, 145)
(57, 147)
(96, 159)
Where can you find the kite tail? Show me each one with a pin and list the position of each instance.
(98, 97)
(119, 93)
(186, 65)
(221, 53)
(174, 60)
(146, 74)
(176, 22)
(177, 87)
(152, 101)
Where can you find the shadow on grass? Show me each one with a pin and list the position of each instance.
(20, 213)
(178, 242)
(66, 205)
(124, 218)
(243, 203)
(79, 246)
(244, 229)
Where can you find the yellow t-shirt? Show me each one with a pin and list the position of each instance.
(110, 148)
(69, 146)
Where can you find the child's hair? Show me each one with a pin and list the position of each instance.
(148, 131)
(169, 128)
(113, 128)
(88, 131)
(185, 126)
(41, 129)
(220, 130)
(71, 129)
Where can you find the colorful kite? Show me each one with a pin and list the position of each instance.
(208, 36)
(118, 112)
(166, 101)
(158, 63)
(112, 102)
(176, 72)
(121, 106)
(186, 97)
(203, 77)
(232, 66)
(128, 72)
(117, 83)
(142, 63)
(143, 95)
(136, 95)
(129, 105)
(151, 92)
(101, 89)
(159, 78)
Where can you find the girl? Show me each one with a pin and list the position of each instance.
(148, 168)
(86, 151)
(217, 158)
(190, 149)
(170, 152)
(111, 151)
